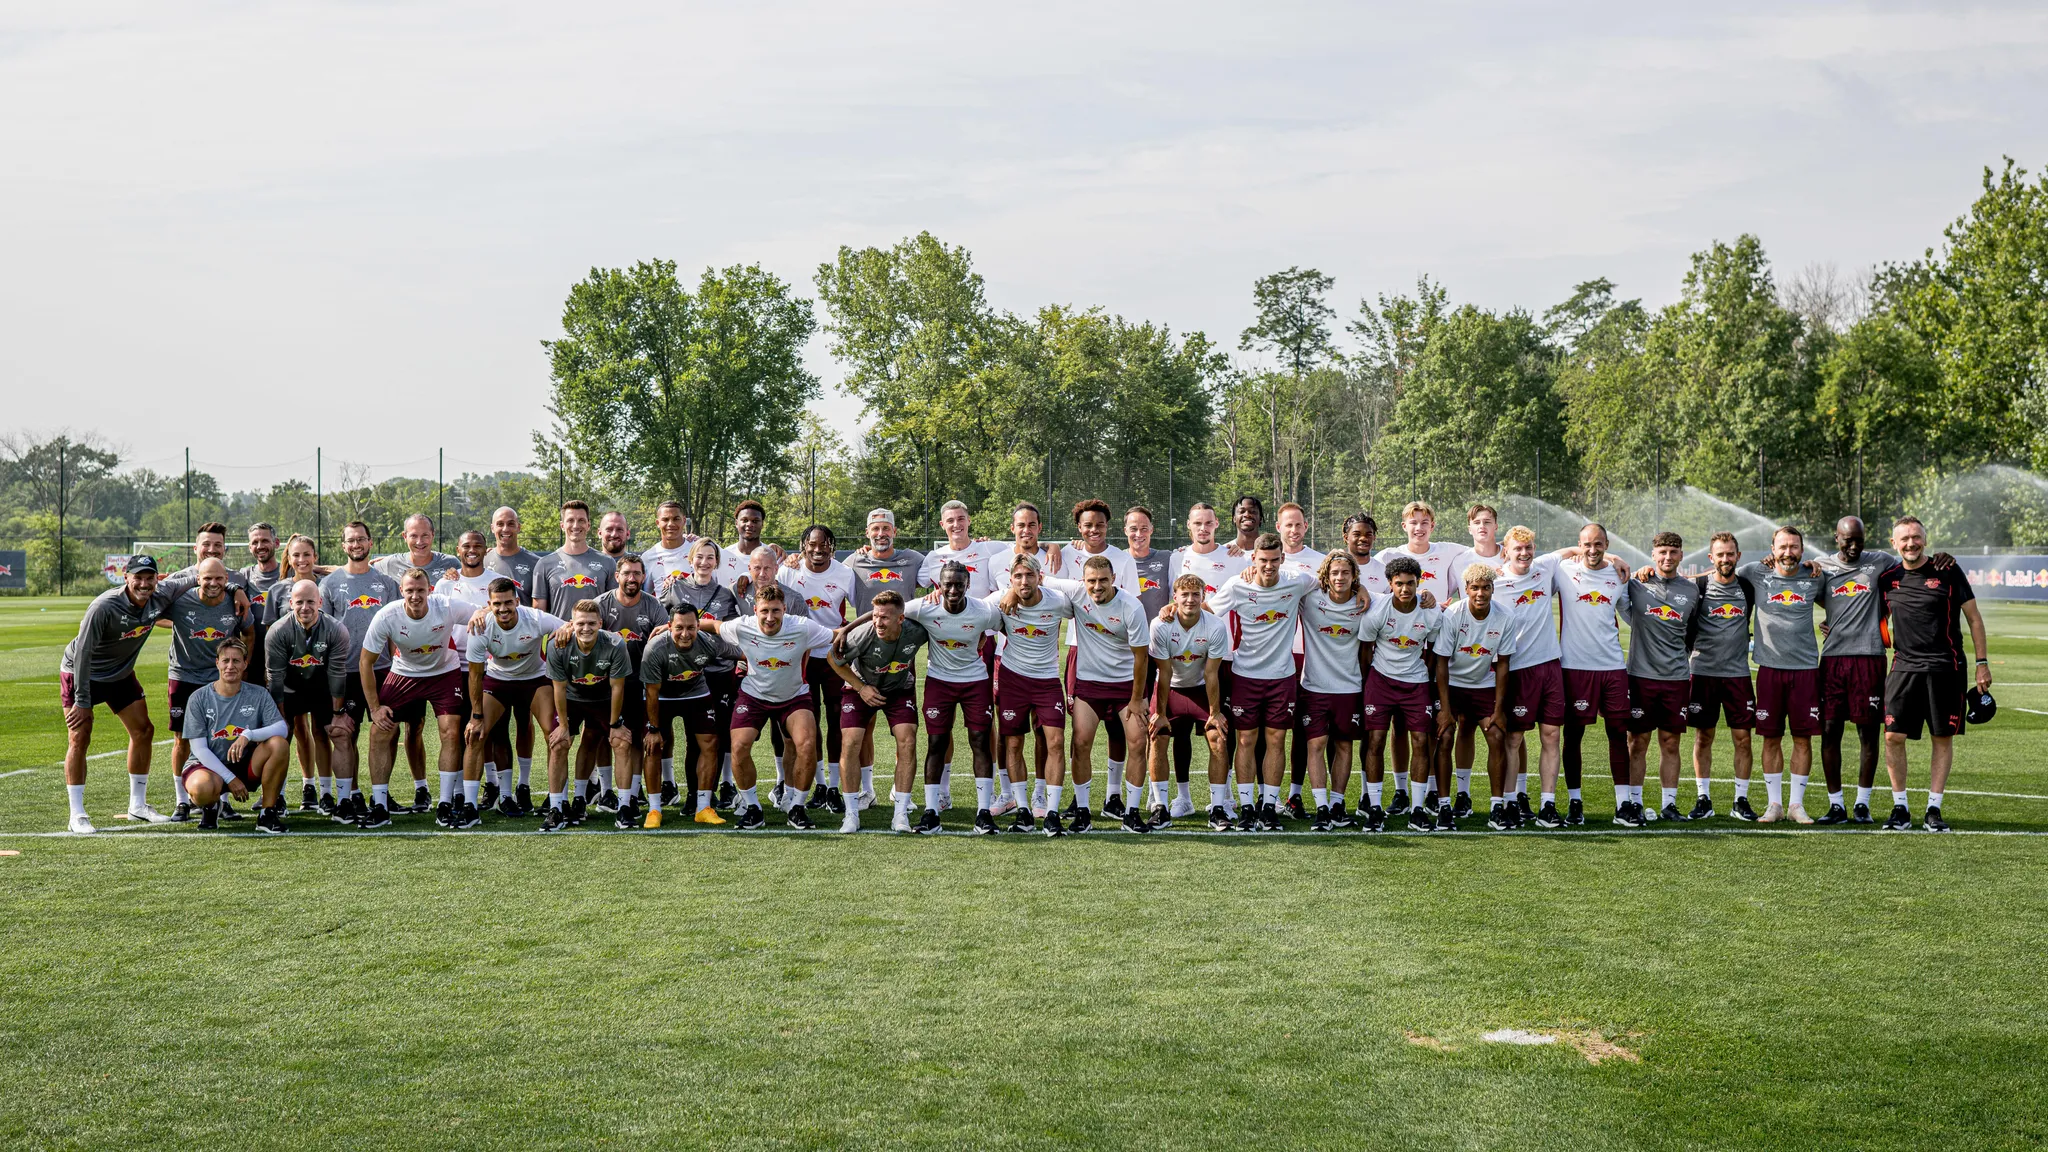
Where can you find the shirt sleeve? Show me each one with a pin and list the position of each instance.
(337, 662)
(273, 659)
(202, 751)
(1063, 585)
(197, 724)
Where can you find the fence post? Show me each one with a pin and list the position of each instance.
(1171, 512)
(60, 516)
(188, 499)
(319, 500)
(440, 487)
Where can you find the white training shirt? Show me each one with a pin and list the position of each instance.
(474, 591)
(1262, 621)
(1400, 639)
(1306, 562)
(422, 647)
(1032, 634)
(1121, 565)
(775, 664)
(1532, 597)
(1331, 633)
(661, 562)
(1472, 645)
(1441, 566)
(514, 653)
(827, 596)
(1215, 568)
(1590, 606)
(1104, 634)
(955, 645)
(980, 576)
(1188, 649)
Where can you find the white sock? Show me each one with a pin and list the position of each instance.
(933, 793)
(631, 790)
(984, 793)
(725, 767)
(327, 785)
(490, 770)
(1373, 793)
(1835, 799)
(791, 799)
(1741, 789)
(1245, 794)
(75, 793)
(831, 774)
(748, 798)
(1521, 783)
(668, 770)
(901, 801)
(1635, 793)
(1131, 793)
(1159, 793)
(470, 790)
(1294, 790)
(1181, 788)
(1700, 784)
(1934, 799)
(1269, 794)
(867, 780)
(1499, 802)
(1322, 796)
(380, 794)
(1052, 796)
(1863, 796)
(525, 771)
(138, 789)
(604, 778)
(1774, 787)
(558, 799)
(1020, 794)
(1670, 797)
(778, 771)
(703, 799)
(1464, 778)
(654, 800)
(581, 789)
(1414, 790)
(1898, 799)
(946, 779)
(1081, 793)
(1219, 795)
(1547, 798)
(178, 788)
(344, 788)
(1620, 795)
(1798, 794)
(450, 781)
(1575, 794)
(1116, 769)
(1038, 794)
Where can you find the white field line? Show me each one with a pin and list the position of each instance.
(1885, 790)
(1193, 833)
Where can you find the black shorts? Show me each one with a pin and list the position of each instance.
(310, 699)
(353, 705)
(1913, 699)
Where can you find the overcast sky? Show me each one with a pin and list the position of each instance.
(256, 229)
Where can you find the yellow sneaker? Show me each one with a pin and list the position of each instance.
(653, 818)
(709, 816)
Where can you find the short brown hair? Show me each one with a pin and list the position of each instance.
(1728, 536)
(768, 592)
(887, 598)
(575, 506)
(1141, 510)
(213, 526)
(231, 644)
(1090, 505)
(1667, 540)
(584, 606)
(1189, 580)
(1266, 542)
(1476, 509)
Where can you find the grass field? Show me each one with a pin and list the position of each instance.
(1768, 988)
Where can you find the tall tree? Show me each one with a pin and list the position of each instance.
(1293, 323)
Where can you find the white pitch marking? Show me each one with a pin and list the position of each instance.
(150, 832)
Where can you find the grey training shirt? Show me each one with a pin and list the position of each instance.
(1781, 635)
(1658, 612)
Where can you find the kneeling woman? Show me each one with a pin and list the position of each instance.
(238, 740)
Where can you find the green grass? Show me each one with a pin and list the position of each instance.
(1792, 988)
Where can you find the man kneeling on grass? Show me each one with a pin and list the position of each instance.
(237, 738)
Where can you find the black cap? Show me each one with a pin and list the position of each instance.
(141, 562)
(1980, 707)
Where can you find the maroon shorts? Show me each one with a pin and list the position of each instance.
(1787, 697)
(1536, 696)
(1188, 705)
(115, 694)
(748, 712)
(1255, 703)
(976, 699)
(1025, 700)
(239, 768)
(1658, 705)
(181, 691)
(1105, 698)
(445, 692)
(515, 694)
(1328, 714)
(1472, 703)
(1387, 698)
(1590, 695)
(1852, 689)
(897, 707)
(1713, 695)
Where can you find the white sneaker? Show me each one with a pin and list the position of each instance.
(945, 800)
(1003, 806)
(81, 825)
(1799, 815)
(1650, 815)
(147, 814)
(901, 822)
(1772, 814)
(1182, 806)
(867, 799)
(852, 821)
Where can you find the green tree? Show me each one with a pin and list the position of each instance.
(1292, 321)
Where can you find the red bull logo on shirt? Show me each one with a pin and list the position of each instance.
(136, 632)
(578, 580)
(1851, 588)
(897, 666)
(307, 661)
(1404, 641)
(229, 732)
(1270, 616)
(947, 642)
(366, 601)
(1334, 630)
(773, 662)
(1530, 596)
(587, 678)
(1726, 611)
(1096, 626)
(1476, 649)
(685, 674)
(629, 634)
(1147, 584)
(1595, 597)
(816, 602)
(1664, 612)
(1786, 596)
(1031, 630)
(887, 575)
(1189, 657)
(209, 633)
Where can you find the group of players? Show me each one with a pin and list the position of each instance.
(1279, 658)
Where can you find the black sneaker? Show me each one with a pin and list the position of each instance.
(1419, 819)
(1071, 810)
(344, 811)
(1462, 806)
(1836, 815)
(1294, 808)
(1900, 820)
(578, 810)
(1219, 819)
(1522, 802)
(523, 796)
(1339, 818)
(1932, 821)
(1514, 815)
(182, 812)
(228, 811)
(1446, 818)
(490, 796)
(1548, 817)
(668, 794)
(1575, 813)
(1742, 811)
(1052, 826)
(509, 807)
(555, 820)
(984, 824)
(1113, 808)
(1375, 819)
(309, 798)
(422, 800)
(608, 801)
(727, 796)
(1431, 800)
(1672, 814)
(929, 822)
(326, 806)
(830, 799)
(1133, 820)
(1702, 808)
(209, 817)
(749, 818)
(376, 816)
(628, 817)
(1024, 821)
(1159, 818)
(1083, 821)
(271, 820)
(444, 815)
(1248, 818)
(800, 819)
(1861, 815)
(1400, 803)
(468, 815)
(1320, 822)
(1497, 819)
